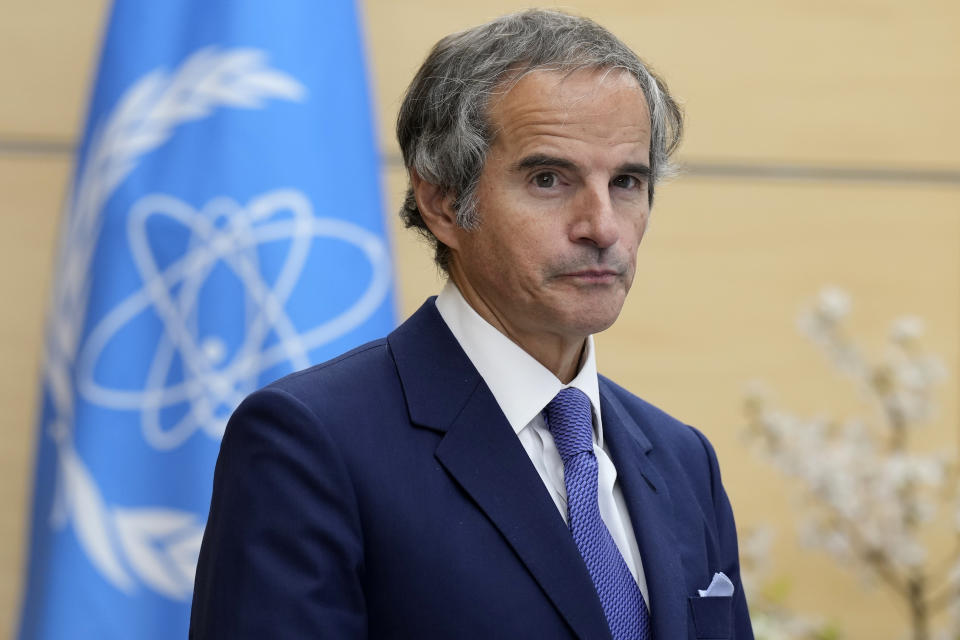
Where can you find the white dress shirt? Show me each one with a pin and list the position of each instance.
(523, 387)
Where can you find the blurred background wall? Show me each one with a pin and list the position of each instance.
(823, 148)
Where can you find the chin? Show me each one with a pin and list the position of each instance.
(600, 315)
(590, 322)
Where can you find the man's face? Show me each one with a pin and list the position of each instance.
(563, 205)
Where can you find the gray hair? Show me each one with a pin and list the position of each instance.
(443, 126)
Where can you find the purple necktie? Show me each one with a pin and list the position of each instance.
(569, 420)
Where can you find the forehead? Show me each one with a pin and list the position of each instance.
(604, 100)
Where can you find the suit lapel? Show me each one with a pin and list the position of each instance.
(651, 513)
(484, 456)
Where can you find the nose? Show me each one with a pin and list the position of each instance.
(595, 219)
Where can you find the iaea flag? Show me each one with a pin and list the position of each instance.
(225, 227)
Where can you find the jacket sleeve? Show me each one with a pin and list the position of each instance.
(282, 554)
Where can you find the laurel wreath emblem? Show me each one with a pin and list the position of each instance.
(155, 545)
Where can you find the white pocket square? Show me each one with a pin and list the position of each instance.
(720, 587)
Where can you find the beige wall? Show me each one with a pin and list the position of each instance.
(728, 260)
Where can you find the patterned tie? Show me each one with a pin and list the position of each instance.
(569, 420)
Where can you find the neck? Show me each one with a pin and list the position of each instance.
(561, 355)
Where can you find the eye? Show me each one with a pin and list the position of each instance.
(545, 180)
(626, 182)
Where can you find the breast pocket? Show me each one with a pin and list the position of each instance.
(712, 617)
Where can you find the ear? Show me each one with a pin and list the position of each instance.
(436, 209)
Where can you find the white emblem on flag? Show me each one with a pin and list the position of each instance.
(171, 293)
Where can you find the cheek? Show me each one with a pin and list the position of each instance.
(641, 225)
(636, 232)
(523, 242)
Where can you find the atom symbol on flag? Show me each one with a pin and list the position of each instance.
(223, 235)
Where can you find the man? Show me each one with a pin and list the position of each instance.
(471, 476)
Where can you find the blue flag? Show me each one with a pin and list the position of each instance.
(225, 227)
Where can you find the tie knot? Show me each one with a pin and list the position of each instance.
(569, 421)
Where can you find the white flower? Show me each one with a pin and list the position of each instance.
(837, 543)
(907, 329)
(833, 304)
(909, 553)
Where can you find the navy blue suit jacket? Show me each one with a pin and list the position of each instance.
(383, 494)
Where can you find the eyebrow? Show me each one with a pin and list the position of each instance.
(540, 160)
(636, 168)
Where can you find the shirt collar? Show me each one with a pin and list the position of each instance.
(521, 385)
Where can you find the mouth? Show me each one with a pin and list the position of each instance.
(592, 276)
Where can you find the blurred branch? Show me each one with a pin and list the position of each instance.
(870, 496)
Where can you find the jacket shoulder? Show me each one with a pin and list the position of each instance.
(342, 392)
(675, 442)
(347, 369)
(657, 424)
